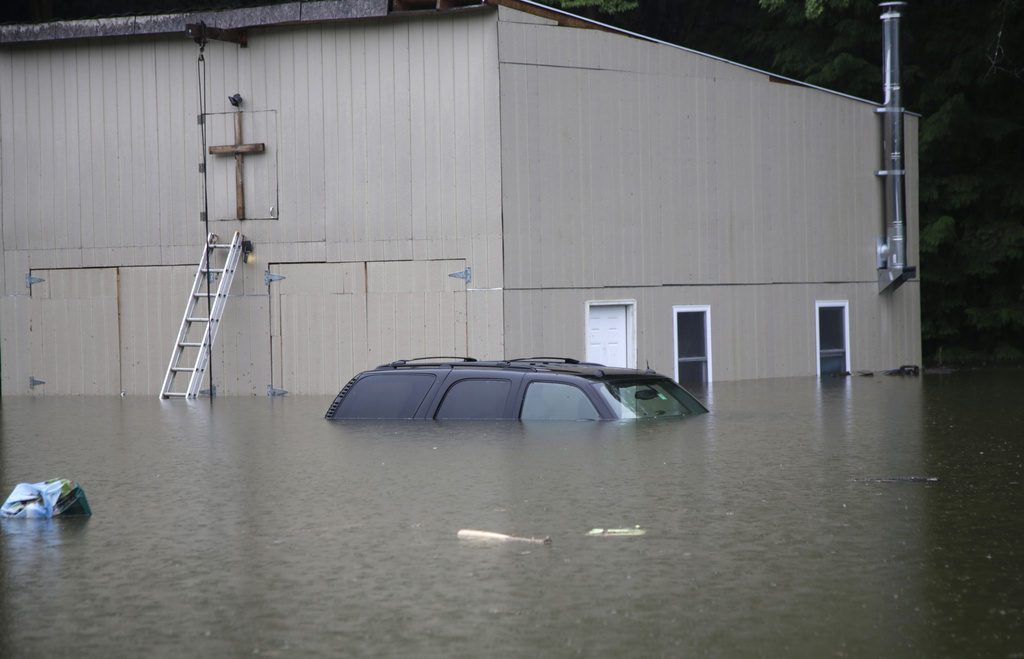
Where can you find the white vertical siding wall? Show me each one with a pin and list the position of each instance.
(638, 170)
(148, 326)
(664, 175)
(107, 151)
(384, 135)
(562, 165)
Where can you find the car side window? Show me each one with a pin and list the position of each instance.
(385, 396)
(556, 401)
(475, 399)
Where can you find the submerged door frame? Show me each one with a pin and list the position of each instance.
(692, 308)
(630, 305)
(831, 304)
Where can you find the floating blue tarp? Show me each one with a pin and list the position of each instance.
(52, 498)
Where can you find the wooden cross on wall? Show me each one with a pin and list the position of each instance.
(238, 149)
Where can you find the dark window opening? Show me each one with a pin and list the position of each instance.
(692, 346)
(475, 399)
(385, 397)
(831, 340)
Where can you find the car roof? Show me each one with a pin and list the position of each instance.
(554, 365)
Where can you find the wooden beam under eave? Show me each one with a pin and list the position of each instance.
(455, 4)
(413, 5)
(427, 5)
(203, 32)
(232, 149)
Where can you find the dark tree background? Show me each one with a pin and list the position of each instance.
(963, 72)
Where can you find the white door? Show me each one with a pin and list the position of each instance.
(74, 332)
(415, 309)
(330, 321)
(693, 343)
(318, 326)
(609, 336)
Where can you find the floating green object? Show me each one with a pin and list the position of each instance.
(72, 501)
(608, 533)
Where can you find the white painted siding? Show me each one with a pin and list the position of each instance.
(148, 325)
(382, 143)
(640, 170)
(562, 165)
(684, 179)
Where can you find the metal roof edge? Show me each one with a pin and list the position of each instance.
(545, 9)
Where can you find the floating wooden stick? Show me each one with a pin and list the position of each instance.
(469, 534)
(616, 533)
(898, 479)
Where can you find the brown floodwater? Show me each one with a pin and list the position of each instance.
(248, 526)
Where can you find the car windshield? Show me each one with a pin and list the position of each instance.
(637, 398)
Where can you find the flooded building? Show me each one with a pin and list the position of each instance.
(495, 179)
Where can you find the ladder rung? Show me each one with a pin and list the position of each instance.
(174, 394)
(185, 369)
(188, 344)
(198, 320)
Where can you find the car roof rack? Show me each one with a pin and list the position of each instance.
(530, 363)
(547, 360)
(555, 360)
(433, 361)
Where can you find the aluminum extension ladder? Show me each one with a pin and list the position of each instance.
(189, 348)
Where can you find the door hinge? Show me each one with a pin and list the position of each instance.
(275, 392)
(466, 274)
(32, 382)
(267, 277)
(29, 280)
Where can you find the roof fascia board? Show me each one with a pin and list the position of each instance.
(303, 11)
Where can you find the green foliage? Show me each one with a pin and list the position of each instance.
(938, 234)
(972, 216)
(812, 8)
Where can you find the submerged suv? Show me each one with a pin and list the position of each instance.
(538, 388)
